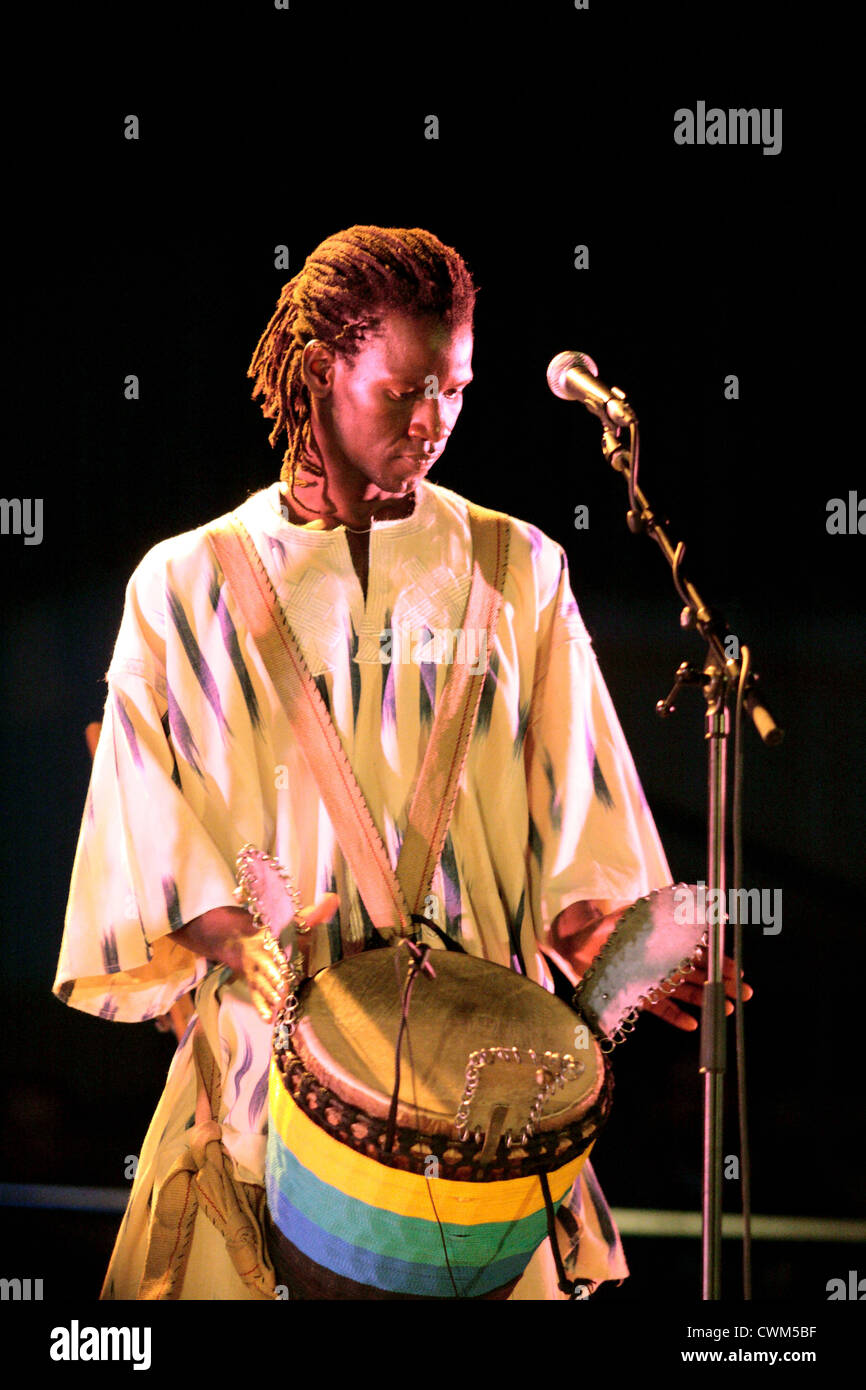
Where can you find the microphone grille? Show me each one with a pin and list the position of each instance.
(559, 368)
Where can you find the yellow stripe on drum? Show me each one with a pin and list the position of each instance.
(408, 1194)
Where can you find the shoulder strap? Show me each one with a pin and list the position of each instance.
(311, 723)
(438, 780)
(391, 898)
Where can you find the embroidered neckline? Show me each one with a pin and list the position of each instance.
(319, 608)
(421, 517)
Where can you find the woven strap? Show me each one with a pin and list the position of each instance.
(391, 898)
(445, 757)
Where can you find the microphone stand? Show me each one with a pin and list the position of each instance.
(721, 673)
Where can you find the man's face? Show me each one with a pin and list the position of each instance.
(387, 416)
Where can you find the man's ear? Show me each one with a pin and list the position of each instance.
(317, 368)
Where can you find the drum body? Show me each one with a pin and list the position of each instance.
(448, 1211)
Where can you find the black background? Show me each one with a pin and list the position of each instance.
(156, 257)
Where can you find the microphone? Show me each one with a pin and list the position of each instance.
(573, 376)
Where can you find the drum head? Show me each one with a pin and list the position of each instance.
(346, 1036)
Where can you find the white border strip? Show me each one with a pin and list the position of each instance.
(688, 1223)
(630, 1221)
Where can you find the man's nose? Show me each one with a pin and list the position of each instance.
(427, 421)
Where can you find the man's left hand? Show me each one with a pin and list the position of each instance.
(691, 991)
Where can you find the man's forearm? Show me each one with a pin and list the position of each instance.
(217, 934)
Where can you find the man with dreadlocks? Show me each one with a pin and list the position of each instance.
(363, 366)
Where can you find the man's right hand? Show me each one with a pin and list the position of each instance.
(268, 984)
(229, 935)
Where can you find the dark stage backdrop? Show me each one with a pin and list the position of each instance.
(155, 256)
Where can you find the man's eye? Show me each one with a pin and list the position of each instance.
(452, 394)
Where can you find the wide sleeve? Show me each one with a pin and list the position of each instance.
(145, 864)
(592, 835)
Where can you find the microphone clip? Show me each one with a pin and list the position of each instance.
(615, 452)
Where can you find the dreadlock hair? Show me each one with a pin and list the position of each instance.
(340, 296)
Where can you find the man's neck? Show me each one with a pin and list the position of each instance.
(387, 509)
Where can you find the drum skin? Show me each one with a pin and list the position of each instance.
(437, 1215)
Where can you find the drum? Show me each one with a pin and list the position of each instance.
(433, 1187)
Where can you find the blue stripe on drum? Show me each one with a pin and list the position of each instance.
(365, 1243)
